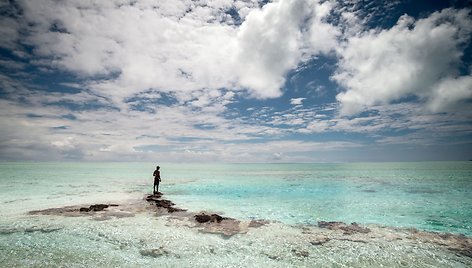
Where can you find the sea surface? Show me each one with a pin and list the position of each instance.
(428, 196)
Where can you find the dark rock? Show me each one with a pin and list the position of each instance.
(202, 218)
(172, 210)
(98, 207)
(163, 203)
(319, 241)
(154, 196)
(155, 252)
(331, 225)
(348, 229)
(300, 253)
(151, 198)
(354, 228)
(457, 243)
(216, 217)
(42, 230)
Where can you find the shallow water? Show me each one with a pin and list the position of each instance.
(428, 196)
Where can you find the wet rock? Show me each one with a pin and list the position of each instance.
(216, 224)
(300, 253)
(155, 252)
(66, 211)
(226, 228)
(202, 218)
(332, 225)
(163, 203)
(42, 230)
(257, 223)
(354, 228)
(458, 243)
(348, 229)
(318, 241)
(173, 209)
(97, 207)
(154, 197)
(353, 240)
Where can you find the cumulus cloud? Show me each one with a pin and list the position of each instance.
(413, 58)
(450, 92)
(274, 40)
(123, 48)
(297, 101)
(161, 79)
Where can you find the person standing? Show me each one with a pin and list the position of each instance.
(157, 179)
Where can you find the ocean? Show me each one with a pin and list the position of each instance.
(395, 200)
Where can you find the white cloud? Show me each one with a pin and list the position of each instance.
(410, 59)
(177, 45)
(297, 101)
(450, 92)
(136, 55)
(271, 42)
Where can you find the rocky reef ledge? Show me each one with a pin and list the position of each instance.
(206, 222)
(325, 233)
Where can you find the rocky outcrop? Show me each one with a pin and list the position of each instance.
(72, 211)
(163, 203)
(202, 218)
(154, 252)
(458, 243)
(97, 212)
(346, 228)
(97, 207)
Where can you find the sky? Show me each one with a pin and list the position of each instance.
(242, 81)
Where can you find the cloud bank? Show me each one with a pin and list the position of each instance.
(177, 45)
(213, 80)
(413, 58)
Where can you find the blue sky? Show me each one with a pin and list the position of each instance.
(235, 81)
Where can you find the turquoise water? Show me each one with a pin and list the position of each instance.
(432, 196)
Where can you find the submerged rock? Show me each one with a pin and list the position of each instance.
(348, 229)
(319, 240)
(78, 211)
(97, 207)
(257, 223)
(154, 252)
(458, 243)
(64, 211)
(300, 253)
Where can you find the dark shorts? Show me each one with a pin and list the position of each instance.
(156, 181)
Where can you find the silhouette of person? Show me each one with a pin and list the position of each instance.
(157, 179)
